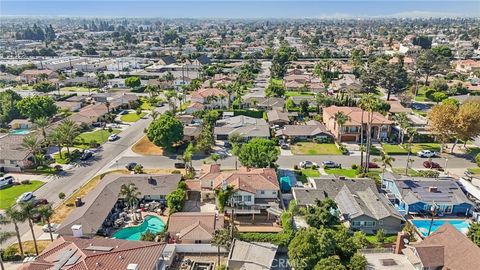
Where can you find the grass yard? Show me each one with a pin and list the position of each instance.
(389, 239)
(401, 171)
(473, 151)
(311, 148)
(475, 171)
(416, 147)
(350, 173)
(421, 96)
(297, 94)
(310, 173)
(393, 149)
(420, 112)
(78, 89)
(10, 194)
(100, 136)
(146, 105)
(43, 170)
(145, 147)
(277, 81)
(132, 117)
(29, 248)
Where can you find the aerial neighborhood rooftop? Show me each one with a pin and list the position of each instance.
(140, 142)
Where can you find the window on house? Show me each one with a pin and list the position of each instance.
(356, 223)
(369, 223)
(198, 241)
(262, 192)
(13, 162)
(247, 198)
(237, 198)
(2, 161)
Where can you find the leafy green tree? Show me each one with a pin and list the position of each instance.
(275, 89)
(438, 97)
(443, 50)
(380, 237)
(133, 82)
(304, 107)
(259, 153)
(4, 236)
(322, 214)
(429, 63)
(474, 233)
(36, 107)
(222, 196)
(309, 246)
(44, 87)
(360, 239)
(210, 117)
(214, 157)
(165, 131)
(330, 263)
(439, 85)
(148, 236)
(206, 140)
(423, 41)
(8, 108)
(345, 245)
(176, 200)
(357, 262)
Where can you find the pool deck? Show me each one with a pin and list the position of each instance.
(444, 219)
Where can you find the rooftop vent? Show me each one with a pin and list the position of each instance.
(432, 189)
(132, 266)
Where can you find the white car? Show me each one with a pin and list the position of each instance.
(25, 197)
(113, 137)
(427, 154)
(53, 227)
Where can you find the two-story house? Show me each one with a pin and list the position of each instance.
(351, 130)
(211, 98)
(416, 195)
(360, 205)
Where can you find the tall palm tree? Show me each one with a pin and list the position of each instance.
(187, 157)
(32, 144)
(56, 138)
(69, 130)
(46, 212)
(341, 118)
(221, 238)
(411, 136)
(4, 236)
(16, 216)
(386, 161)
(29, 210)
(41, 125)
(130, 193)
(403, 122)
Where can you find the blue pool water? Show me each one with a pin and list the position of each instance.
(150, 223)
(423, 225)
(20, 131)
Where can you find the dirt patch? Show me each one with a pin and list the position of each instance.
(145, 147)
(29, 248)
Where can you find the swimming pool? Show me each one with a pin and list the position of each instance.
(150, 223)
(423, 225)
(20, 131)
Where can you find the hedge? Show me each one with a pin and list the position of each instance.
(251, 113)
(280, 239)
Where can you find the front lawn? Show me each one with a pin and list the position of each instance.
(401, 171)
(10, 194)
(416, 147)
(389, 239)
(100, 136)
(473, 151)
(145, 147)
(310, 172)
(350, 173)
(29, 248)
(132, 117)
(311, 148)
(297, 94)
(77, 89)
(394, 149)
(146, 105)
(475, 171)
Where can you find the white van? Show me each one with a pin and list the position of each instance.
(6, 180)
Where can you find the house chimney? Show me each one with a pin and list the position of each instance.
(402, 239)
(77, 231)
(432, 189)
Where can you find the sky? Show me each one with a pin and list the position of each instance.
(242, 9)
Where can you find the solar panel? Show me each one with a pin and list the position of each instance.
(72, 260)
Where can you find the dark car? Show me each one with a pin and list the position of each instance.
(431, 165)
(86, 155)
(130, 166)
(179, 165)
(372, 165)
(37, 202)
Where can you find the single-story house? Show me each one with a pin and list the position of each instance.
(70, 106)
(360, 205)
(33, 75)
(416, 195)
(191, 133)
(194, 227)
(245, 126)
(265, 103)
(255, 255)
(68, 252)
(13, 157)
(100, 201)
(20, 124)
(280, 118)
(312, 129)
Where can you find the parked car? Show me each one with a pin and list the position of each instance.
(37, 202)
(25, 197)
(6, 180)
(331, 164)
(115, 125)
(284, 146)
(130, 166)
(427, 154)
(179, 165)
(53, 227)
(113, 137)
(98, 124)
(307, 164)
(86, 155)
(372, 165)
(123, 112)
(431, 165)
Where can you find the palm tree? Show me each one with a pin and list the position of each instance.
(386, 160)
(4, 236)
(15, 216)
(29, 210)
(56, 137)
(187, 157)
(403, 122)
(69, 131)
(32, 144)
(130, 193)
(46, 212)
(411, 135)
(154, 114)
(341, 118)
(41, 124)
(221, 238)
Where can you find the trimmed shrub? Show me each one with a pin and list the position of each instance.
(477, 160)
(25, 182)
(354, 166)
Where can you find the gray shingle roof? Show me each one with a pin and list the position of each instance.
(253, 255)
(243, 125)
(10, 147)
